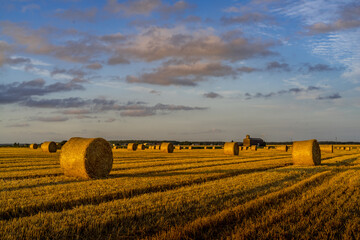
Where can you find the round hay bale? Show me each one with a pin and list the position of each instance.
(327, 148)
(33, 146)
(231, 148)
(86, 158)
(282, 148)
(167, 147)
(253, 148)
(49, 147)
(132, 146)
(306, 153)
(140, 147)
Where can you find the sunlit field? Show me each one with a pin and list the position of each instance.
(188, 194)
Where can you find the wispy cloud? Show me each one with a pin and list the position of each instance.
(249, 96)
(212, 95)
(276, 66)
(329, 97)
(87, 15)
(50, 119)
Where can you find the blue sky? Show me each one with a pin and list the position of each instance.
(179, 70)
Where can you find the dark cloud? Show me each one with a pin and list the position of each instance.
(50, 119)
(56, 103)
(17, 60)
(20, 92)
(317, 68)
(330, 97)
(113, 38)
(349, 17)
(212, 95)
(245, 18)
(94, 66)
(74, 15)
(278, 66)
(117, 60)
(183, 74)
(249, 96)
(18, 125)
(247, 69)
(134, 7)
(78, 73)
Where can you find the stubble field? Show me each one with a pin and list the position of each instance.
(188, 194)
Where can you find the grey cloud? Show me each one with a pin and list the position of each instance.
(247, 69)
(212, 95)
(94, 66)
(249, 96)
(50, 119)
(74, 72)
(278, 66)
(317, 68)
(113, 38)
(73, 15)
(178, 7)
(135, 7)
(330, 97)
(17, 60)
(19, 92)
(245, 18)
(19, 125)
(182, 74)
(56, 103)
(117, 60)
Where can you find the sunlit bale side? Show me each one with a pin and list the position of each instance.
(253, 148)
(86, 158)
(167, 147)
(132, 146)
(178, 147)
(231, 148)
(49, 147)
(327, 148)
(306, 153)
(140, 147)
(33, 146)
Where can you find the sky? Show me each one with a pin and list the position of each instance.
(179, 70)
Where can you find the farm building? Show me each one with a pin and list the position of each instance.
(248, 141)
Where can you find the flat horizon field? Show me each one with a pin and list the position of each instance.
(188, 194)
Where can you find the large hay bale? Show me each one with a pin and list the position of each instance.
(140, 147)
(327, 148)
(86, 158)
(253, 148)
(306, 153)
(167, 147)
(231, 148)
(33, 146)
(132, 146)
(49, 147)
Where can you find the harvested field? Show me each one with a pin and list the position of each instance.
(189, 194)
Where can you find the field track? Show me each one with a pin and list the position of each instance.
(189, 194)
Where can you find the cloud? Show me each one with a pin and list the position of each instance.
(183, 74)
(86, 15)
(19, 125)
(318, 68)
(212, 95)
(245, 18)
(117, 60)
(19, 92)
(330, 97)
(30, 7)
(56, 103)
(109, 120)
(349, 17)
(50, 119)
(245, 69)
(94, 66)
(135, 7)
(249, 96)
(157, 43)
(278, 66)
(155, 92)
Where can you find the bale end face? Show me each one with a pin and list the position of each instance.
(49, 147)
(231, 148)
(86, 158)
(306, 153)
